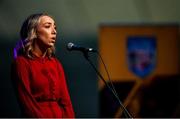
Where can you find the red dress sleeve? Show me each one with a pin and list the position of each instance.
(21, 77)
(65, 100)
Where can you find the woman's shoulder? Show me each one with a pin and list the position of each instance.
(21, 59)
(56, 60)
(20, 62)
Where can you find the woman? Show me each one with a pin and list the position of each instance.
(37, 74)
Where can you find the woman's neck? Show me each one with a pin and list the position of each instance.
(39, 52)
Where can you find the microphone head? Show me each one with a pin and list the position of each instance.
(70, 45)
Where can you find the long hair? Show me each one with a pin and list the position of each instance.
(28, 34)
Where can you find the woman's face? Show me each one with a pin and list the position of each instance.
(46, 32)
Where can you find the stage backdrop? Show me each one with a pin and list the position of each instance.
(135, 53)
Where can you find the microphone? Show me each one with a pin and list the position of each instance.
(72, 46)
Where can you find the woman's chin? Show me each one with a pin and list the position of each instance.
(51, 45)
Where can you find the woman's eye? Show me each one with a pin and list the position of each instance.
(47, 26)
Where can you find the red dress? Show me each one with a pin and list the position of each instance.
(41, 87)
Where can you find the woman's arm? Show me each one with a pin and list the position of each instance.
(65, 100)
(21, 78)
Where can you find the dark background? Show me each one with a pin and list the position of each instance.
(78, 22)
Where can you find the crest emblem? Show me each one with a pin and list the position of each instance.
(141, 54)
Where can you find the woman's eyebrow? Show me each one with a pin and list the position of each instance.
(50, 23)
(47, 23)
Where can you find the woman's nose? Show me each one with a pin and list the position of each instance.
(54, 31)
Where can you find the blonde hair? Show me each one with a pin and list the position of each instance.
(28, 34)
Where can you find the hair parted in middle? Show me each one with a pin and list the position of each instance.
(28, 34)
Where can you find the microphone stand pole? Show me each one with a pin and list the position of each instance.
(85, 53)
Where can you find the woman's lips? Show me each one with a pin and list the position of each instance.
(53, 40)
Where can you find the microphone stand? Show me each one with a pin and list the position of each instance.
(127, 114)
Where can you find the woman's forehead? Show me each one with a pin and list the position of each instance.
(46, 19)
